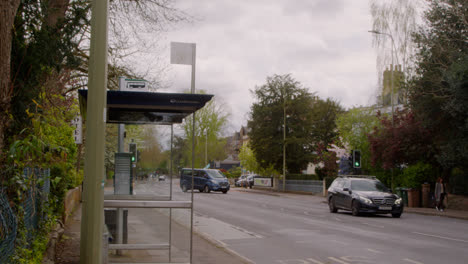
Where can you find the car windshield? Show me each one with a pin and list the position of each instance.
(215, 174)
(366, 185)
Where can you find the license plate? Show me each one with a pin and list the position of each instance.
(385, 208)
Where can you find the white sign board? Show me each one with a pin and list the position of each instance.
(182, 53)
(264, 182)
(133, 85)
(78, 125)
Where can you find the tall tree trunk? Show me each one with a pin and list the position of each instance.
(8, 9)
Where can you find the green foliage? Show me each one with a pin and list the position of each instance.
(209, 143)
(281, 98)
(439, 96)
(247, 159)
(45, 44)
(47, 143)
(459, 181)
(234, 172)
(415, 175)
(30, 245)
(354, 127)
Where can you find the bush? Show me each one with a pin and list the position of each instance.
(234, 172)
(415, 175)
(459, 182)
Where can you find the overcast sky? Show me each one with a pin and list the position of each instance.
(323, 44)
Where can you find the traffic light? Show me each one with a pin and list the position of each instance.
(133, 150)
(356, 159)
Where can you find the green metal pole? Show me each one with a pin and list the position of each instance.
(93, 185)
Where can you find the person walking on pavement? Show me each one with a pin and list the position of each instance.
(440, 193)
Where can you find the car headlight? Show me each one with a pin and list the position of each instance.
(398, 201)
(365, 200)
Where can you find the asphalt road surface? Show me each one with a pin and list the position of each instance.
(299, 229)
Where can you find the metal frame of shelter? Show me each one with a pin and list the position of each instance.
(125, 107)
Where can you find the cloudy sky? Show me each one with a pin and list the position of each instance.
(323, 44)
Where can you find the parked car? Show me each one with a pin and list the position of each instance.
(161, 177)
(363, 194)
(205, 180)
(241, 181)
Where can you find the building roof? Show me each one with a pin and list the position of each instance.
(125, 107)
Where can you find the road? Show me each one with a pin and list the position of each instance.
(298, 229)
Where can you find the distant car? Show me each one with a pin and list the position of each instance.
(242, 181)
(205, 180)
(360, 194)
(161, 177)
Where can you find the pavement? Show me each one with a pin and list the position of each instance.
(206, 249)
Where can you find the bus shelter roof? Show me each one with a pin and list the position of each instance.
(126, 107)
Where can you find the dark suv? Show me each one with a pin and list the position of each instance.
(205, 180)
(363, 194)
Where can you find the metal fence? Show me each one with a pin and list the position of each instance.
(310, 186)
(8, 227)
(33, 206)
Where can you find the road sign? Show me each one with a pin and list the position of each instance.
(133, 85)
(78, 134)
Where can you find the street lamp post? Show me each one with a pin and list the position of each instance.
(284, 141)
(392, 84)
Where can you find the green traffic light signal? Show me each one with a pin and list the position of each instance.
(357, 159)
(133, 158)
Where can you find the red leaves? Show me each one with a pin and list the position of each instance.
(403, 141)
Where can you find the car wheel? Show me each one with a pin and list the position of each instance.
(396, 215)
(355, 208)
(331, 205)
(225, 191)
(206, 189)
(184, 188)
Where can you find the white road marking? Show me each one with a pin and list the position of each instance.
(373, 250)
(315, 261)
(448, 238)
(412, 261)
(338, 260)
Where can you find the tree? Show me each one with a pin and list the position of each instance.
(279, 96)
(8, 10)
(51, 38)
(439, 97)
(353, 128)
(398, 19)
(325, 134)
(401, 142)
(248, 160)
(210, 122)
